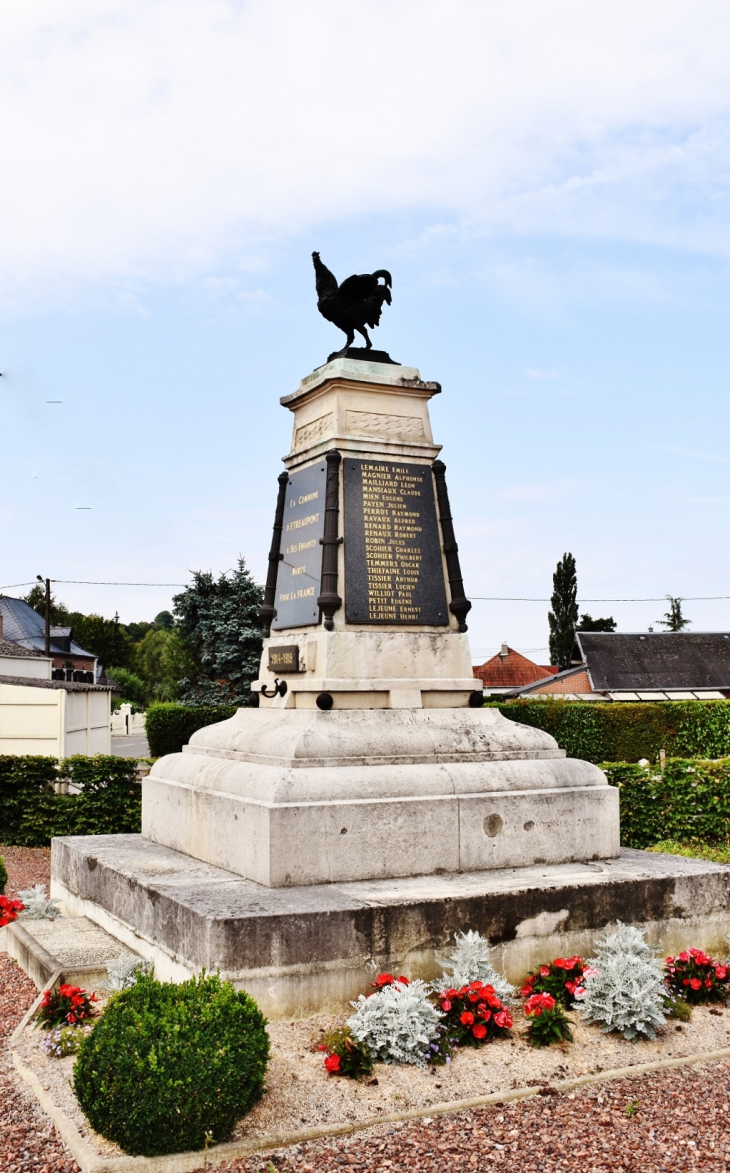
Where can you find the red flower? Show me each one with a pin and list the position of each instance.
(332, 1064)
(467, 1018)
(404, 980)
(504, 1019)
(539, 1002)
(71, 1018)
(526, 990)
(446, 1005)
(545, 969)
(383, 979)
(683, 957)
(720, 973)
(9, 910)
(695, 983)
(479, 1031)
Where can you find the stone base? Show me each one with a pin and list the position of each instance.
(307, 949)
(307, 797)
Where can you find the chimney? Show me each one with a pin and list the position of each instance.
(1, 625)
(504, 651)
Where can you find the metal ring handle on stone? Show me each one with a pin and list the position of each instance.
(279, 689)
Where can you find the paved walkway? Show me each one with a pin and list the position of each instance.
(130, 747)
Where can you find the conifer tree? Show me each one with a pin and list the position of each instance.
(563, 615)
(673, 619)
(220, 623)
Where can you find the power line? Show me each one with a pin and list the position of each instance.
(663, 599)
(90, 582)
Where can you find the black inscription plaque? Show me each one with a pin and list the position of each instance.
(300, 572)
(393, 567)
(284, 658)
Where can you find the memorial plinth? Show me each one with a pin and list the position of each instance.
(365, 811)
(366, 757)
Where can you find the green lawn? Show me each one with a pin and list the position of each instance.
(716, 853)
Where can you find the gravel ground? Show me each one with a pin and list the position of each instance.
(28, 1141)
(26, 866)
(674, 1120)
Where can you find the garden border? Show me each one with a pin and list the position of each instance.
(91, 1162)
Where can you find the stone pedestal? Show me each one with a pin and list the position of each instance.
(306, 797)
(307, 949)
(366, 757)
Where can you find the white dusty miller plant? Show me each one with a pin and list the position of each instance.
(122, 972)
(626, 991)
(397, 1024)
(37, 905)
(469, 962)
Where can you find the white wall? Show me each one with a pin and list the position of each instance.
(53, 721)
(34, 667)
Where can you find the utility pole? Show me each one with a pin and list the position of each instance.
(48, 612)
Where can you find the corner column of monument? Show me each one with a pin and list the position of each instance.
(368, 609)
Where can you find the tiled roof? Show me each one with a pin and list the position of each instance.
(24, 626)
(655, 660)
(8, 648)
(511, 671)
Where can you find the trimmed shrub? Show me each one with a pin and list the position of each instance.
(31, 813)
(170, 726)
(3, 875)
(172, 1067)
(625, 732)
(689, 800)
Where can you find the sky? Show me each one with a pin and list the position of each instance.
(546, 181)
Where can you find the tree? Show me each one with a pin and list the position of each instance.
(164, 619)
(132, 688)
(162, 659)
(105, 638)
(564, 614)
(587, 623)
(673, 619)
(220, 624)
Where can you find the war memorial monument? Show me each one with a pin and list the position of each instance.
(368, 806)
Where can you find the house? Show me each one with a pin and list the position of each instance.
(642, 666)
(20, 624)
(509, 671)
(39, 715)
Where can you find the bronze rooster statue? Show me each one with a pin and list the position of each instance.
(354, 304)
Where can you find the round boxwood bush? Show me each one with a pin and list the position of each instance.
(168, 1066)
(3, 875)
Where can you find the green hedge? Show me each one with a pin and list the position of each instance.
(31, 813)
(624, 732)
(689, 799)
(170, 726)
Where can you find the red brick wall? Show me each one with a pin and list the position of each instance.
(579, 682)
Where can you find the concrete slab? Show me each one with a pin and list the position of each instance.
(74, 946)
(299, 950)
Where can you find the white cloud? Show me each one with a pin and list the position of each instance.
(152, 138)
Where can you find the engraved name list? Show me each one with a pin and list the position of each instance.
(393, 567)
